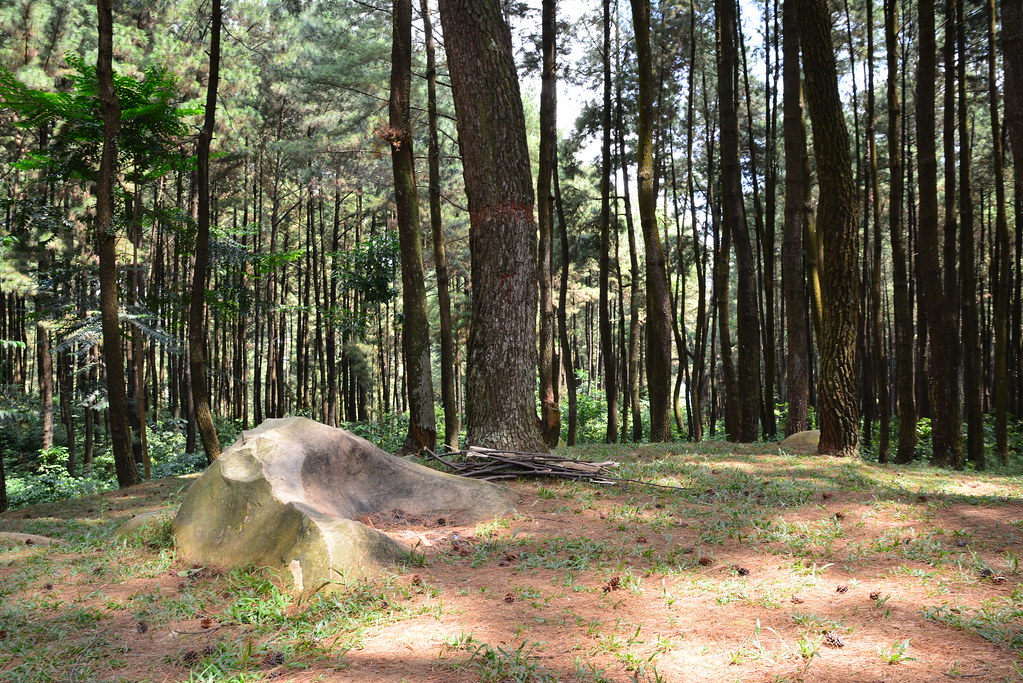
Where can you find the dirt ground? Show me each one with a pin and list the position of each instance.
(760, 567)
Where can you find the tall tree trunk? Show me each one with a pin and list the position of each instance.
(1003, 279)
(732, 215)
(769, 241)
(606, 334)
(699, 375)
(452, 422)
(566, 350)
(905, 388)
(880, 370)
(550, 413)
(946, 410)
(636, 288)
(501, 382)
(113, 356)
(797, 372)
(658, 301)
(973, 369)
(839, 414)
(415, 338)
(197, 300)
(1012, 51)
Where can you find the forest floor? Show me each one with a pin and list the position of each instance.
(767, 567)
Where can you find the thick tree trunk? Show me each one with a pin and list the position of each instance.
(946, 409)
(113, 356)
(501, 381)
(839, 414)
(197, 300)
(415, 338)
(658, 301)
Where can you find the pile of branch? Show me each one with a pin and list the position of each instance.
(489, 464)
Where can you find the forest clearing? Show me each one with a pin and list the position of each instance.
(768, 217)
(767, 567)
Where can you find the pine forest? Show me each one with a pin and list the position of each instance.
(517, 225)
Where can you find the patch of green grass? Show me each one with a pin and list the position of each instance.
(998, 621)
(897, 652)
(497, 664)
(575, 554)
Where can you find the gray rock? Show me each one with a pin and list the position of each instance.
(289, 495)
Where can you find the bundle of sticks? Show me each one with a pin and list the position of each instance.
(489, 464)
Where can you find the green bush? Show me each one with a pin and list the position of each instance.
(51, 481)
(388, 433)
(167, 451)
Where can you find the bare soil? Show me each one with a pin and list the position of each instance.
(765, 567)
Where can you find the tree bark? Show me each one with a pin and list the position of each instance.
(501, 370)
(797, 372)
(452, 421)
(113, 356)
(415, 338)
(607, 355)
(658, 301)
(3, 482)
(973, 370)
(1002, 283)
(550, 413)
(873, 196)
(566, 350)
(839, 413)
(44, 370)
(904, 362)
(197, 300)
(748, 397)
(946, 409)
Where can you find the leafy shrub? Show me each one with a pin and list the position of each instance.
(167, 451)
(51, 481)
(592, 417)
(388, 432)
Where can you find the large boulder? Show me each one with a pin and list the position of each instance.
(290, 493)
(802, 442)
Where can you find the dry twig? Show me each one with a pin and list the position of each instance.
(489, 464)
